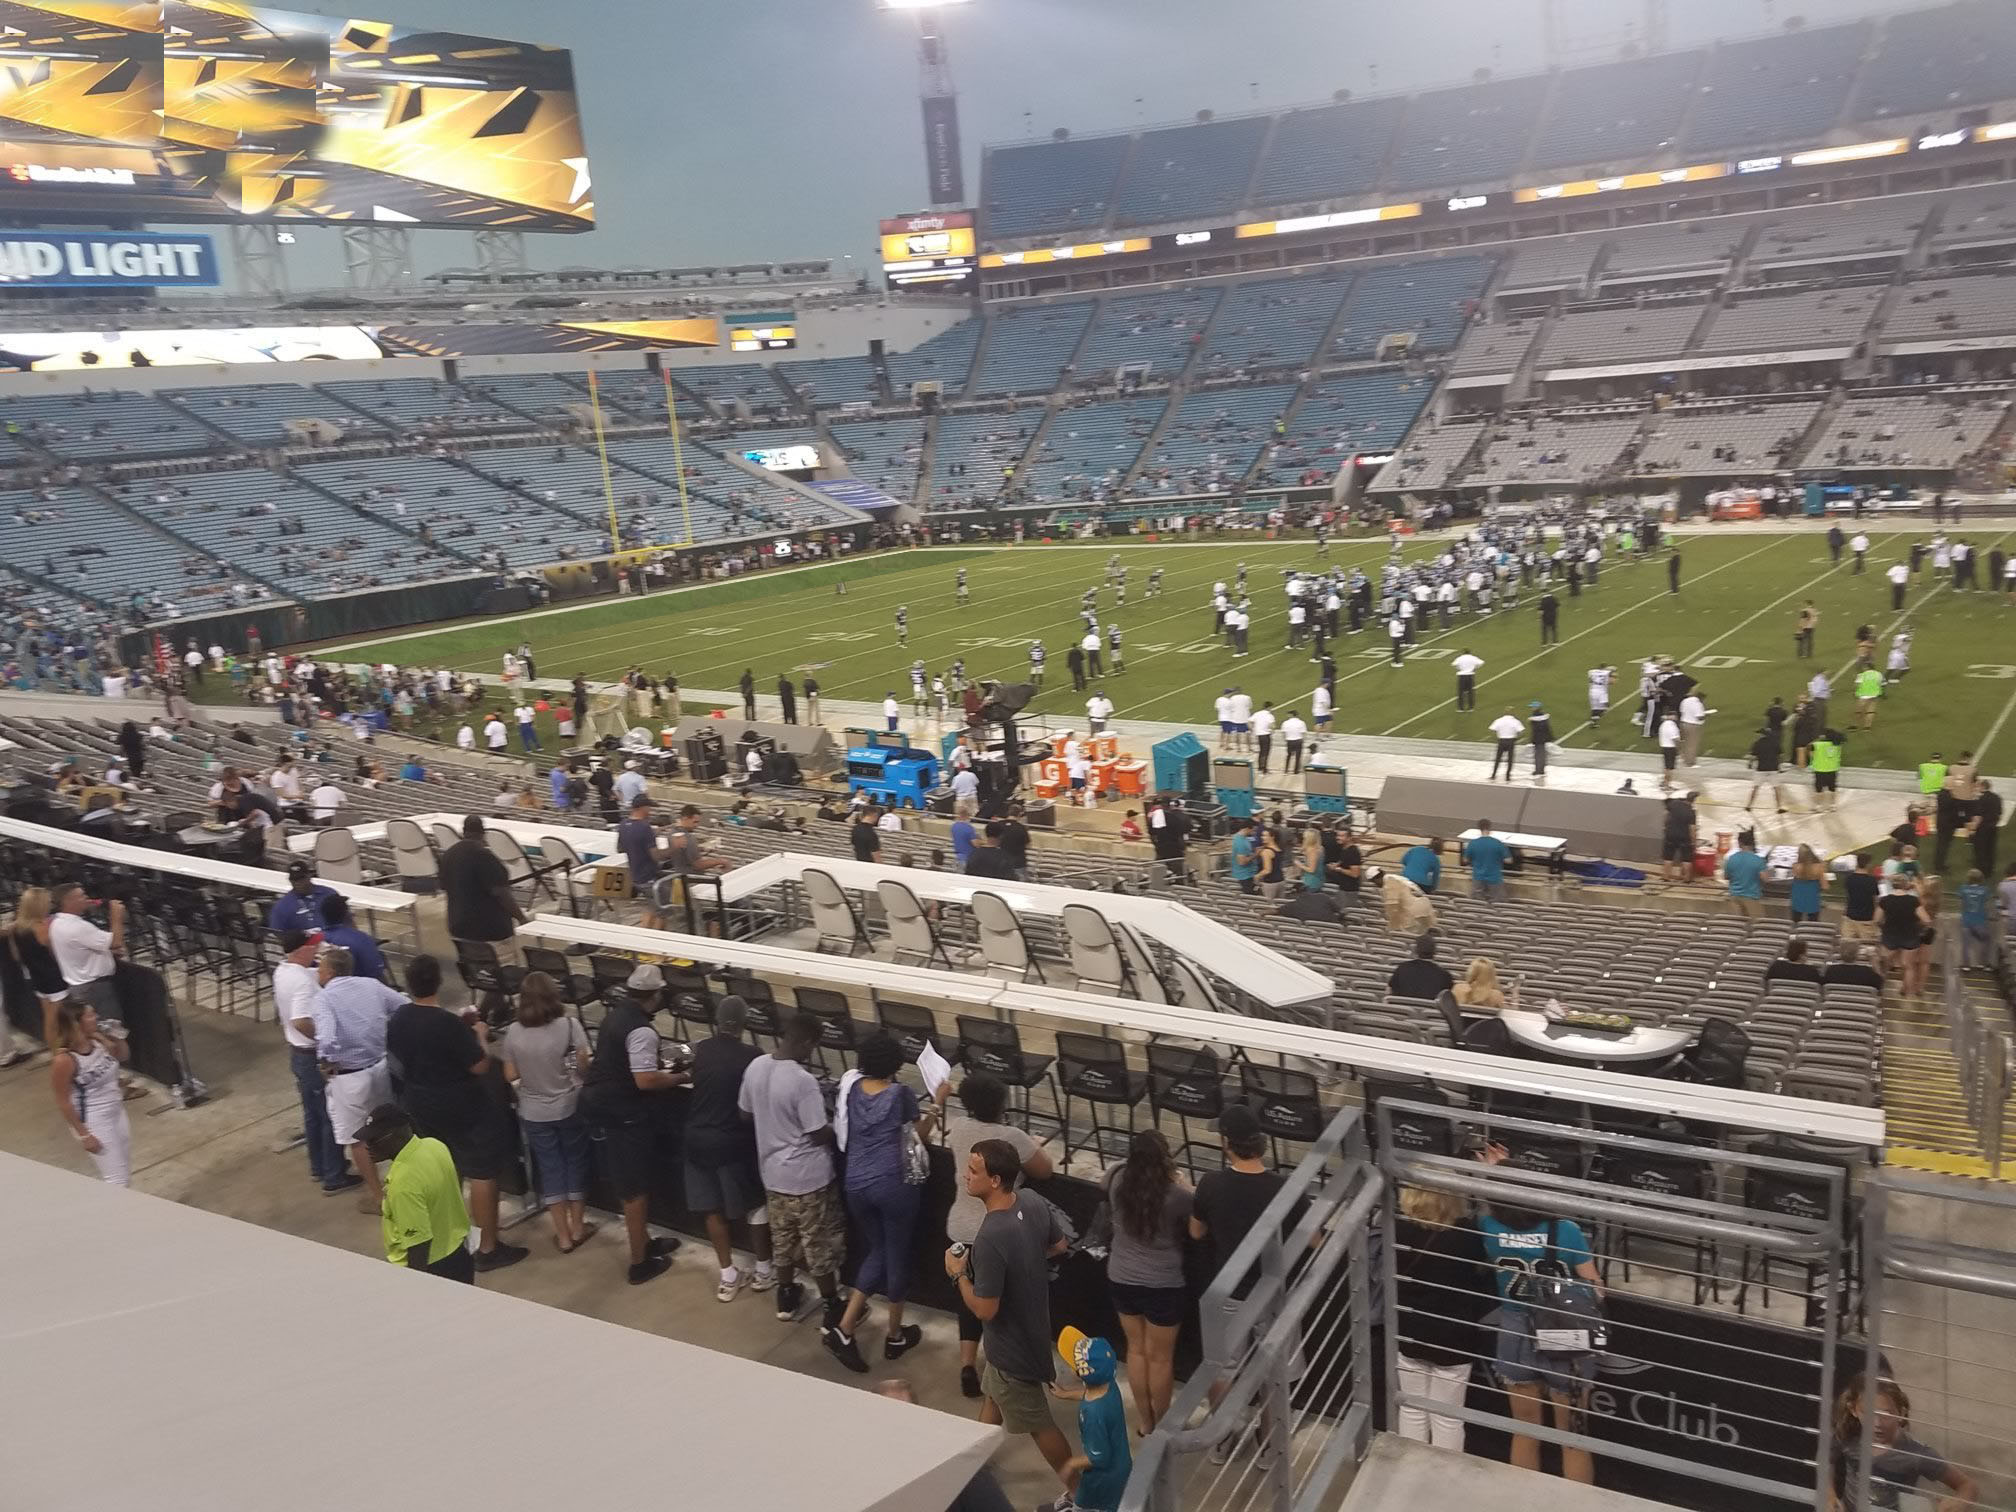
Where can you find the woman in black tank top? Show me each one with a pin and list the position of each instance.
(28, 939)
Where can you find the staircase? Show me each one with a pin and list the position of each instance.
(1829, 408)
(927, 460)
(1520, 389)
(1260, 161)
(1266, 452)
(1148, 446)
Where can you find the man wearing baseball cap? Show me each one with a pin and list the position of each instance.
(1098, 1474)
(300, 907)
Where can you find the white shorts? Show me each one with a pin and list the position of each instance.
(353, 1095)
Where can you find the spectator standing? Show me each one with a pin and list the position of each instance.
(1809, 881)
(300, 907)
(1150, 1206)
(983, 1100)
(338, 929)
(351, 1013)
(1422, 865)
(1444, 1290)
(425, 1225)
(794, 1150)
(443, 1073)
(1984, 826)
(1679, 839)
(87, 955)
(1004, 1281)
(1901, 1461)
(884, 1188)
(620, 1097)
(1096, 1477)
(28, 939)
(1516, 1240)
(84, 1062)
(1169, 834)
(1507, 729)
(1744, 871)
(722, 1180)
(1904, 924)
(294, 989)
(1977, 930)
(481, 905)
(546, 1052)
(963, 833)
(1487, 855)
(1859, 891)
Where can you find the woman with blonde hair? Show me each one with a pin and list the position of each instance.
(1479, 987)
(1443, 1283)
(1809, 882)
(84, 1075)
(28, 939)
(1901, 1461)
(1931, 894)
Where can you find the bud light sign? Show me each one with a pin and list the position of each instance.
(106, 260)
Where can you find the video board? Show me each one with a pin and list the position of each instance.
(930, 252)
(191, 110)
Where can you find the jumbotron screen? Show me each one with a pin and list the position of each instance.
(190, 110)
(930, 252)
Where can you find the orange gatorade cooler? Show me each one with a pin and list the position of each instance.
(1104, 747)
(1130, 778)
(1101, 778)
(1051, 770)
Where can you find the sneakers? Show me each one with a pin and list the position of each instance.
(649, 1268)
(730, 1284)
(662, 1248)
(790, 1297)
(1265, 1458)
(762, 1281)
(1221, 1452)
(1064, 1503)
(969, 1381)
(835, 1310)
(503, 1255)
(844, 1349)
(349, 1181)
(898, 1345)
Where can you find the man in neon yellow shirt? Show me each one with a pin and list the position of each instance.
(424, 1221)
(1868, 688)
(1826, 764)
(1932, 774)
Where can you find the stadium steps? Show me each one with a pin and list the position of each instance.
(1837, 396)
(694, 396)
(1739, 261)
(62, 590)
(600, 525)
(1112, 202)
(927, 462)
(1067, 373)
(619, 413)
(1152, 440)
(174, 402)
(980, 346)
(800, 401)
(1252, 191)
(1540, 119)
(1711, 308)
(1203, 342)
(885, 389)
(1919, 255)
(1520, 389)
(1286, 423)
(389, 521)
(1401, 126)
(151, 527)
(1924, 1106)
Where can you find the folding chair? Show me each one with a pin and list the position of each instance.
(1004, 943)
(834, 917)
(910, 929)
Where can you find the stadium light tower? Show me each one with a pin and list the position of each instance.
(944, 164)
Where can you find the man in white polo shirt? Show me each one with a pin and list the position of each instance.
(1263, 732)
(295, 984)
(1293, 733)
(1099, 709)
(1900, 579)
(85, 953)
(1694, 714)
(1320, 704)
(1466, 666)
(1242, 720)
(1507, 727)
(1223, 704)
(494, 735)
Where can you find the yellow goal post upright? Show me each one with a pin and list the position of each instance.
(678, 457)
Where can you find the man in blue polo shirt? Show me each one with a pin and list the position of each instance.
(1745, 871)
(1487, 855)
(300, 907)
(1244, 866)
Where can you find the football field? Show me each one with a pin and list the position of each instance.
(1731, 624)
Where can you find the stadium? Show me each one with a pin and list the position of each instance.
(1466, 632)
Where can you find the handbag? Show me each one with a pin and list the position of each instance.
(916, 1159)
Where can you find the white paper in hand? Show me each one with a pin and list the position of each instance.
(933, 1067)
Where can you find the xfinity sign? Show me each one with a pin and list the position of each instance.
(106, 260)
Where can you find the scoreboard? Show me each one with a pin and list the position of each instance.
(761, 331)
(931, 252)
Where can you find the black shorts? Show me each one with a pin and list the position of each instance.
(729, 1187)
(1676, 848)
(481, 1135)
(1826, 782)
(626, 1152)
(1161, 1305)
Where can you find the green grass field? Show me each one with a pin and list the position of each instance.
(1731, 624)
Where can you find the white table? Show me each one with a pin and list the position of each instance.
(1254, 969)
(1643, 1043)
(1518, 841)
